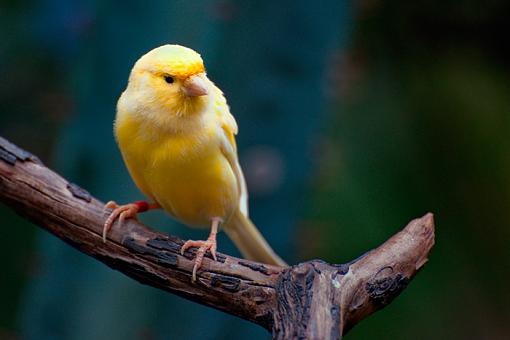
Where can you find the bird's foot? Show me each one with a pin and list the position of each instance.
(203, 247)
(122, 212)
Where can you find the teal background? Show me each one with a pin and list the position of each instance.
(355, 117)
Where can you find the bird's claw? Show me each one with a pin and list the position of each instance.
(203, 247)
(122, 212)
(110, 205)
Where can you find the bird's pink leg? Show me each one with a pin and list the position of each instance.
(203, 246)
(125, 211)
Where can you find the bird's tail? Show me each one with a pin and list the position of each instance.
(249, 241)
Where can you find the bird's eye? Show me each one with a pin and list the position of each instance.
(169, 79)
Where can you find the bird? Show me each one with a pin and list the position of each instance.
(176, 136)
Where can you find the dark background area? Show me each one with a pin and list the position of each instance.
(355, 117)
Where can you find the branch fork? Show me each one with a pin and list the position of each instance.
(311, 300)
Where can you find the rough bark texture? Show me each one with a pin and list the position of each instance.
(311, 300)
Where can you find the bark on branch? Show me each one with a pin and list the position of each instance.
(311, 300)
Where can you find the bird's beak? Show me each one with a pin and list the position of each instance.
(196, 85)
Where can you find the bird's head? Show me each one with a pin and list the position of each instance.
(170, 80)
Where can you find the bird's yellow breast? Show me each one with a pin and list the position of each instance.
(185, 173)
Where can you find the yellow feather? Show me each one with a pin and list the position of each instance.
(180, 150)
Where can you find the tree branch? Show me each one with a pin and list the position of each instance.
(310, 300)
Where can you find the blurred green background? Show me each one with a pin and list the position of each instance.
(355, 117)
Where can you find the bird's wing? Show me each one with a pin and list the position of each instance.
(229, 149)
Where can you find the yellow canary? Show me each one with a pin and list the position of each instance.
(176, 135)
